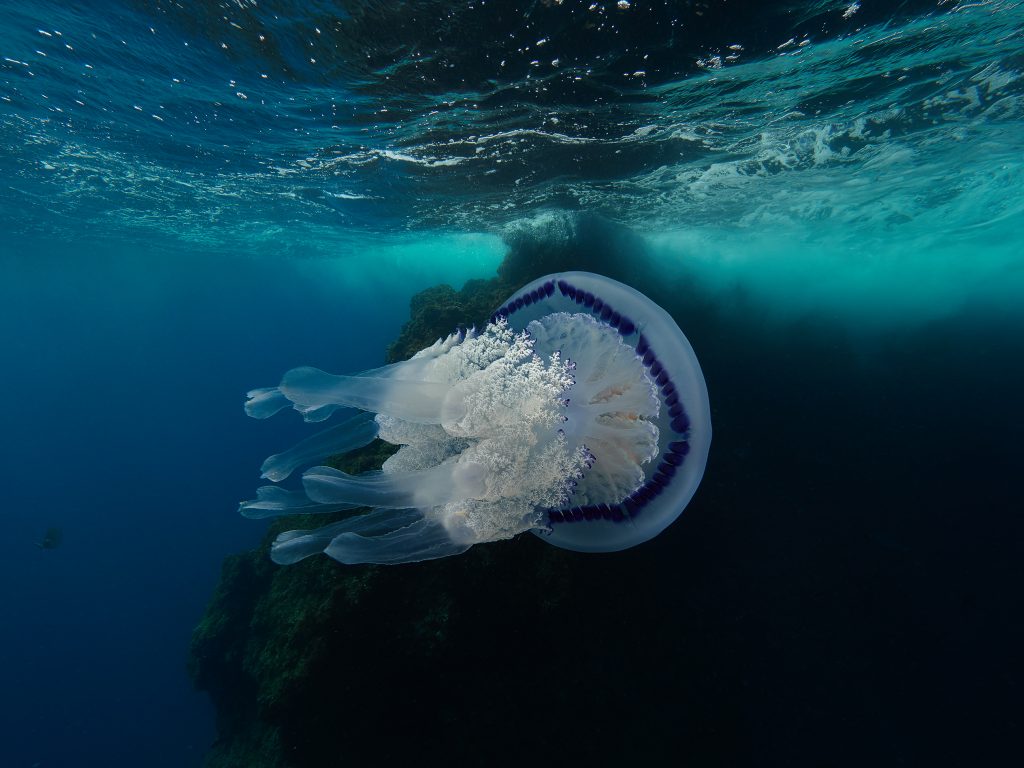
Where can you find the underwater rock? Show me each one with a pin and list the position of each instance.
(781, 617)
(433, 313)
(487, 657)
(562, 242)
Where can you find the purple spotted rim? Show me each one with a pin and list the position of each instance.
(675, 453)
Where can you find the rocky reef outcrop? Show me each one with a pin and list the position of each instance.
(510, 651)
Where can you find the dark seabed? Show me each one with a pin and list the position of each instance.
(827, 196)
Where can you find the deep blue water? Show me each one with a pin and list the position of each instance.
(196, 197)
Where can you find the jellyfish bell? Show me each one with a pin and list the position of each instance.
(578, 413)
(603, 518)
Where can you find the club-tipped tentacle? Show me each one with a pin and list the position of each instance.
(354, 433)
(275, 501)
(452, 481)
(420, 402)
(292, 546)
(425, 539)
(264, 402)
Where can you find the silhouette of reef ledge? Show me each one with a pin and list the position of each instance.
(465, 660)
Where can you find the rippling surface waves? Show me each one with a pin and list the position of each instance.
(305, 126)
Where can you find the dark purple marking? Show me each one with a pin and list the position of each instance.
(679, 446)
(676, 450)
(667, 469)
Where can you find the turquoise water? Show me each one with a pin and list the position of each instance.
(892, 147)
(194, 199)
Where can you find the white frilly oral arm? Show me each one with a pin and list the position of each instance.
(354, 433)
(420, 402)
(385, 536)
(275, 501)
(452, 481)
(264, 402)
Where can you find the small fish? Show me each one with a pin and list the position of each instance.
(51, 539)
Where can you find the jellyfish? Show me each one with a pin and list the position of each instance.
(579, 413)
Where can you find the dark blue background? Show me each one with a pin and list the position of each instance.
(123, 381)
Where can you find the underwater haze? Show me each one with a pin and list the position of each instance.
(828, 197)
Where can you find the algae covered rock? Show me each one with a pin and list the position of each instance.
(482, 659)
(562, 241)
(437, 311)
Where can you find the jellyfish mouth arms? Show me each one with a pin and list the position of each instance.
(353, 433)
(386, 537)
(275, 501)
(419, 402)
(436, 486)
